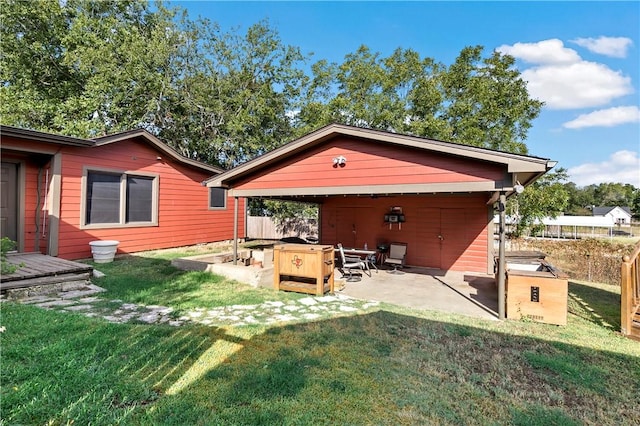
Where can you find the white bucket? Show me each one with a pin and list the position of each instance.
(104, 251)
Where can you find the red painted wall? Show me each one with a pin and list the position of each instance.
(371, 163)
(35, 218)
(461, 220)
(183, 218)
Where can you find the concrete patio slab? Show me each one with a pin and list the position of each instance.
(468, 294)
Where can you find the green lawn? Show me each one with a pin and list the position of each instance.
(391, 366)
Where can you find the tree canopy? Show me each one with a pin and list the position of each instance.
(583, 200)
(547, 196)
(88, 68)
(475, 101)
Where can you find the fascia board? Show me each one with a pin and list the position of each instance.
(515, 163)
(158, 144)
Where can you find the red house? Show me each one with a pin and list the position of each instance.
(59, 193)
(376, 187)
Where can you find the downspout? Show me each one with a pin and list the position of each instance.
(235, 230)
(502, 204)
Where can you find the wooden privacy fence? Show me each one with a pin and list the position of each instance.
(630, 295)
(261, 227)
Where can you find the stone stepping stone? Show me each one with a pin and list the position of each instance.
(79, 308)
(37, 299)
(57, 302)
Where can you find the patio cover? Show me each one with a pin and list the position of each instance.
(518, 172)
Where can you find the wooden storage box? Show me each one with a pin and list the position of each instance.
(304, 268)
(537, 295)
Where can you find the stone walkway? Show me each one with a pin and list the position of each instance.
(309, 308)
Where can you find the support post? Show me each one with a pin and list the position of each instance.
(502, 204)
(625, 296)
(55, 191)
(235, 230)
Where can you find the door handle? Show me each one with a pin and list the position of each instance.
(440, 237)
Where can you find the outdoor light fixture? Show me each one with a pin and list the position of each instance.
(518, 188)
(339, 161)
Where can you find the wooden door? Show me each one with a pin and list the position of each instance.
(351, 229)
(9, 201)
(441, 237)
(428, 232)
(454, 241)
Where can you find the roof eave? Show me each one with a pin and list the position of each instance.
(38, 136)
(516, 163)
(158, 144)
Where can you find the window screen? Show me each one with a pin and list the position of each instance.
(103, 198)
(139, 199)
(217, 198)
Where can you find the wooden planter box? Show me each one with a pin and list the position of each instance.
(537, 295)
(303, 268)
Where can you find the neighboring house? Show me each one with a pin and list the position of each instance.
(59, 193)
(619, 215)
(375, 187)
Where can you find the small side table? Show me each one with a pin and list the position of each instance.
(381, 254)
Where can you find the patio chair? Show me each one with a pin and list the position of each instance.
(349, 263)
(397, 254)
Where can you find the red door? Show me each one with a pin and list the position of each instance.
(454, 239)
(442, 237)
(428, 237)
(347, 226)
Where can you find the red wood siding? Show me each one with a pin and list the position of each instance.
(183, 217)
(34, 238)
(462, 221)
(371, 163)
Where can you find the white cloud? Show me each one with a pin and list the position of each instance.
(543, 52)
(579, 85)
(621, 167)
(615, 47)
(605, 118)
(563, 80)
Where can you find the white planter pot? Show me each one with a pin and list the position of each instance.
(103, 251)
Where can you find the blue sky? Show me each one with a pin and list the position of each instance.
(580, 58)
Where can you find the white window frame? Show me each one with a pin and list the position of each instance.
(123, 199)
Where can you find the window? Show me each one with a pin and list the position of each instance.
(103, 198)
(217, 198)
(139, 199)
(120, 199)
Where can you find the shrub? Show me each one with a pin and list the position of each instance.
(6, 245)
(591, 259)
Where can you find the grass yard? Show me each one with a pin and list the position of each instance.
(389, 366)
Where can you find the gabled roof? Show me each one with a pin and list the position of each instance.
(515, 163)
(139, 134)
(603, 211)
(156, 143)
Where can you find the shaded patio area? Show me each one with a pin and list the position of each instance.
(468, 294)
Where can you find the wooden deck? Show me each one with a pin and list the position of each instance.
(37, 269)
